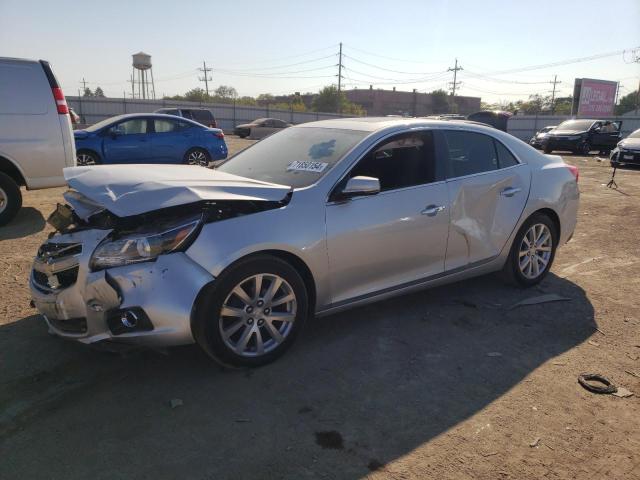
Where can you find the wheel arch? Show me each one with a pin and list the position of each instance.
(555, 218)
(13, 171)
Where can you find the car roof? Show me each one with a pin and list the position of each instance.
(374, 124)
(127, 116)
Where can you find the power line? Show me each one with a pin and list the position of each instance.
(480, 76)
(389, 69)
(283, 66)
(383, 56)
(330, 47)
(245, 74)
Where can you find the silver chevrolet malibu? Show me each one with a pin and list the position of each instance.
(311, 220)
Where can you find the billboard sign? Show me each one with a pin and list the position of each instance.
(596, 98)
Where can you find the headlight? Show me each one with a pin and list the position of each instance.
(141, 246)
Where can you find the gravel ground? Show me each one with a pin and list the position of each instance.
(449, 383)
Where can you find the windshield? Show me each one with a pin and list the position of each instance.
(635, 134)
(577, 125)
(297, 157)
(97, 126)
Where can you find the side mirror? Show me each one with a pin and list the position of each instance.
(361, 185)
(116, 132)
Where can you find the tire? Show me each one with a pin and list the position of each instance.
(584, 148)
(10, 198)
(197, 156)
(86, 157)
(547, 150)
(250, 320)
(524, 276)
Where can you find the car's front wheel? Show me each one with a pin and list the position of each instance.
(197, 156)
(584, 148)
(84, 158)
(252, 313)
(533, 251)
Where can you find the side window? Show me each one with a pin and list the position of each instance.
(470, 153)
(165, 126)
(402, 161)
(505, 157)
(132, 127)
(202, 116)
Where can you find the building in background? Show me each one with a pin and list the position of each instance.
(378, 102)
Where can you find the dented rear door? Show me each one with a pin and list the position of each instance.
(486, 200)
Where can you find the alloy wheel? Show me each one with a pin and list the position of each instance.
(83, 159)
(257, 315)
(3, 200)
(535, 251)
(197, 157)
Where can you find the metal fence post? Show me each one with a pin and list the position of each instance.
(267, 110)
(234, 112)
(124, 104)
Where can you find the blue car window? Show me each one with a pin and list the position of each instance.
(132, 127)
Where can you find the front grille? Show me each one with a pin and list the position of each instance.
(54, 251)
(72, 325)
(56, 281)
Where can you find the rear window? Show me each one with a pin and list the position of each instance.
(202, 116)
(24, 89)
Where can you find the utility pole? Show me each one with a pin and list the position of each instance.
(340, 79)
(206, 78)
(553, 93)
(84, 85)
(455, 82)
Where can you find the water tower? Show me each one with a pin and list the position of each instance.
(140, 76)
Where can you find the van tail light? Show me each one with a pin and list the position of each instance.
(219, 134)
(61, 102)
(574, 171)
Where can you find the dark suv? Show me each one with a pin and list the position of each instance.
(200, 115)
(582, 136)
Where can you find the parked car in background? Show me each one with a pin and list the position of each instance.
(201, 115)
(627, 152)
(36, 138)
(496, 119)
(536, 140)
(314, 219)
(260, 128)
(149, 138)
(583, 136)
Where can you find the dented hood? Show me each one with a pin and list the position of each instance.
(127, 190)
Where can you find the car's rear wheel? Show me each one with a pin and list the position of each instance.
(84, 158)
(10, 198)
(253, 312)
(547, 150)
(197, 156)
(533, 251)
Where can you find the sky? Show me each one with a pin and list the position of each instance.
(280, 47)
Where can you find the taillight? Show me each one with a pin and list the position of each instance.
(219, 134)
(574, 171)
(61, 102)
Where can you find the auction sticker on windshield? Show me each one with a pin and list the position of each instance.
(298, 166)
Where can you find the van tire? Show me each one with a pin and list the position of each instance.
(10, 198)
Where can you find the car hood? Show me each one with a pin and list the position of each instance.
(632, 143)
(80, 134)
(127, 190)
(556, 133)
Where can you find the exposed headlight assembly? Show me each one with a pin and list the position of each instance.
(142, 246)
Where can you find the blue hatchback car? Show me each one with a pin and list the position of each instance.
(149, 138)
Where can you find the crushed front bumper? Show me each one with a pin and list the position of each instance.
(87, 306)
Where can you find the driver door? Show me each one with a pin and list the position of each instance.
(128, 142)
(398, 235)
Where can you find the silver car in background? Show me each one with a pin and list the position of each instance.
(312, 220)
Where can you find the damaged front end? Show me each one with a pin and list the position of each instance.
(101, 276)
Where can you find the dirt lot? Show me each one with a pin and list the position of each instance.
(446, 384)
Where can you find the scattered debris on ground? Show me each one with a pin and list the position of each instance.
(606, 386)
(175, 402)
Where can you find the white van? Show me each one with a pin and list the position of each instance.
(36, 138)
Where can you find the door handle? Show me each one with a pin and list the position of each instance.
(432, 210)
(510, 191)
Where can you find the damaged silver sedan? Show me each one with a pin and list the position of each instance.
(312, 220)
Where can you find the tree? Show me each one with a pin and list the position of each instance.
(440, 101)
(98, 93)
(87, 92)
(224, 91)
(265, 98)
(246, 101)
(195, 95)
(627, 103)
